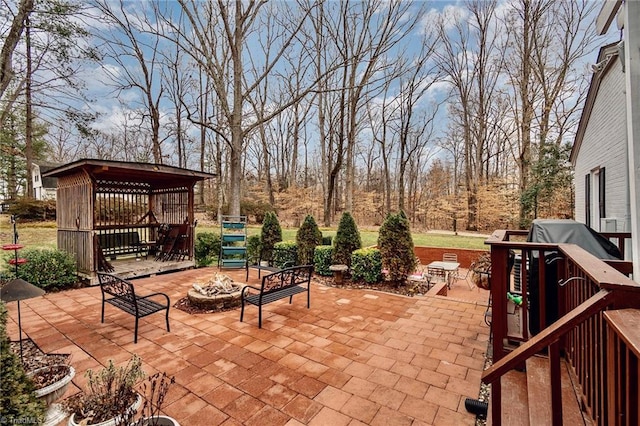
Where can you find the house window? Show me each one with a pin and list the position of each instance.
(595, 197)
(587, 200)
(601, 193)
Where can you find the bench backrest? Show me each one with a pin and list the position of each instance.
(119, 239)
(288, 277)
(116, 287)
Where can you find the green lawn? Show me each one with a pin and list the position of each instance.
(43, 234)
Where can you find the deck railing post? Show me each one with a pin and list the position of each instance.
(556, 384)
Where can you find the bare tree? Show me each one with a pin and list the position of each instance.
(546, 92)
(11, 40)
(216, 36)
(134, 38)
(472, 63)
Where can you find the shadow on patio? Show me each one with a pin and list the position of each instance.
(356, 357)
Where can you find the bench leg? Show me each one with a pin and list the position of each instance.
(135, 333)
(259, 316)
(242, 310)
(102, 316)
(308, 296)
(167, 318)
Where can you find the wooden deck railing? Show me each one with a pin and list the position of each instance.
(586, 287)
(623, 352)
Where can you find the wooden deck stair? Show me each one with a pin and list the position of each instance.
(526, 396)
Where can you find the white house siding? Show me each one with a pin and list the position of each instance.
(605, 145)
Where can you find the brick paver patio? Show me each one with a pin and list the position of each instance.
(357, 357)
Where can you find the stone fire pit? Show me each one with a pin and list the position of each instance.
(218, 293)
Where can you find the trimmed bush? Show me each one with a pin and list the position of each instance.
(207, 248)
(270, 235)
(307, 238)
(27, 208)
(17, 398)
(346, 241)
(366, 264)
(285, 252)
(253, 248)
(396, 247)
(49, 269)
(322, 256)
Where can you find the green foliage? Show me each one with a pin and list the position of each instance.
(284, 254)
(270, 235)
(551, 177)
(396, 247)
(327, 240)
(346, 241)
(32, 209)
(307, 238)
(254, 248)
(322, 256)
(49, 269)
(207, 248)
(17, 398)
(366, 264)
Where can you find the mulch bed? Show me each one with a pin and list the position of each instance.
(34, 358)
(407, 289)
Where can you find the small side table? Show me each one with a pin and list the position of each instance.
(338, 272)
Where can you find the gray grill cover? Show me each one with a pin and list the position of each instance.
(570, 231)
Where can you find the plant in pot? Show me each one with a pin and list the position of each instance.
(153, 390)
(51, 382)
(111, 398)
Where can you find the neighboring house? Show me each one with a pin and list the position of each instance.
(43, 188)
(600, 151)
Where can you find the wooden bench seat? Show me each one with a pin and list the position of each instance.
(123, 296)
(278, 285)
(121, 243)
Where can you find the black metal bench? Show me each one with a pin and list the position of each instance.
(276, 286)
(123, 296)
(262, 265)
(122, 242)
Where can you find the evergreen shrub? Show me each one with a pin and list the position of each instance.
(347, 240)
(307, 238)
(253, 248)
(27, 208)
(396, 247)
(270, 235)
(207, 248)
(49, 269)
(322, 256)
(17, 398)
(285, 253)
(366, 264)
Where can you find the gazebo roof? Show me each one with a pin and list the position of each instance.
(155, 175)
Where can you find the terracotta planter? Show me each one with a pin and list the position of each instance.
(110, 422)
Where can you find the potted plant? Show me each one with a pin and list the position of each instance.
(154, 390)
(51, 383)
(111, 398)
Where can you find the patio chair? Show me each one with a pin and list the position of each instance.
(449, 257)
(436, 272)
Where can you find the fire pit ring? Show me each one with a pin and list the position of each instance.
(219, 293)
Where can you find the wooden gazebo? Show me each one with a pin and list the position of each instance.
(121, 216)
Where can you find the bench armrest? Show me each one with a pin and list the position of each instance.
(247, 287)
(156, 294)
